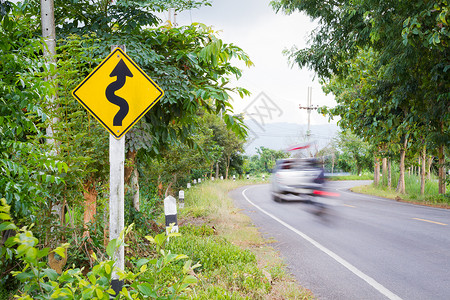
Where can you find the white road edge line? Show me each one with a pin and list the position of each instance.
(379, 287)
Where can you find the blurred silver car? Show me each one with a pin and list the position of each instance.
(301, 178)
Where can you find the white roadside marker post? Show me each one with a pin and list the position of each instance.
(221, 177)
(188, 185)
(181, 198)
(170, 210)
(199, 180)
(234, 177)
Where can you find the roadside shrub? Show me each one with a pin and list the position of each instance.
(211, 252)
(144, 281)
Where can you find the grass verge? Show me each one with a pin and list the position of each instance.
(441, 201)
(237, 263)
(351, 177)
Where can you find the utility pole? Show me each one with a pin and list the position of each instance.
(308, 107)
(173, 17)
(49, 35)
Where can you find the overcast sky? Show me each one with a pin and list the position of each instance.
(263, 34)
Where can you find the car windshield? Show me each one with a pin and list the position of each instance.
(295, 164)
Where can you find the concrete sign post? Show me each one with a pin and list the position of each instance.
(116, 203)
(188, 185)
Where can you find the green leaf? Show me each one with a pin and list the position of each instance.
(141, 262)
(7, 226)
(32, 253)
(99, 293)
(190, 279)
(24, 276)
(442, 16)
(51, 274)
(42, 253)
(160, 239)
(111, 248)
(146, 289)
(107, 269)
(61, 251)
(4, 216)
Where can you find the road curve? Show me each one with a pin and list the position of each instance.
(363, 247)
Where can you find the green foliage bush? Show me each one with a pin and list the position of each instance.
(144, 281)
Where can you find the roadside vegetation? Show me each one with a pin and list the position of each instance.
(218, 254)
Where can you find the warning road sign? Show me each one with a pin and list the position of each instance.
(118, 93)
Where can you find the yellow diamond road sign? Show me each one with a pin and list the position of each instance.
(118, 93)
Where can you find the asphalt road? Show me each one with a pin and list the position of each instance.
(362, 247)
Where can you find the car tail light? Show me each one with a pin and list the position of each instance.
(325, 193)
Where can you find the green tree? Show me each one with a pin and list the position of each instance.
(268, 158)
(355, 155)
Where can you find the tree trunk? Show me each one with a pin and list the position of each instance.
(217, 169)
(376, 177)
(429, 163)
(131, 177)
(228, 166)
(401, 180)
(211, 169)
(422, 171)
(441, 170)
(130, 164)
(135, 189)
(90, 204)
(384, 169)
(389, 180)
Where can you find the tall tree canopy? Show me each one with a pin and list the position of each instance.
(388, 63)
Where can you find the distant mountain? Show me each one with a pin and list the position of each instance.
(279, 136)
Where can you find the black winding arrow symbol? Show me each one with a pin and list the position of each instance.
(121, 71)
